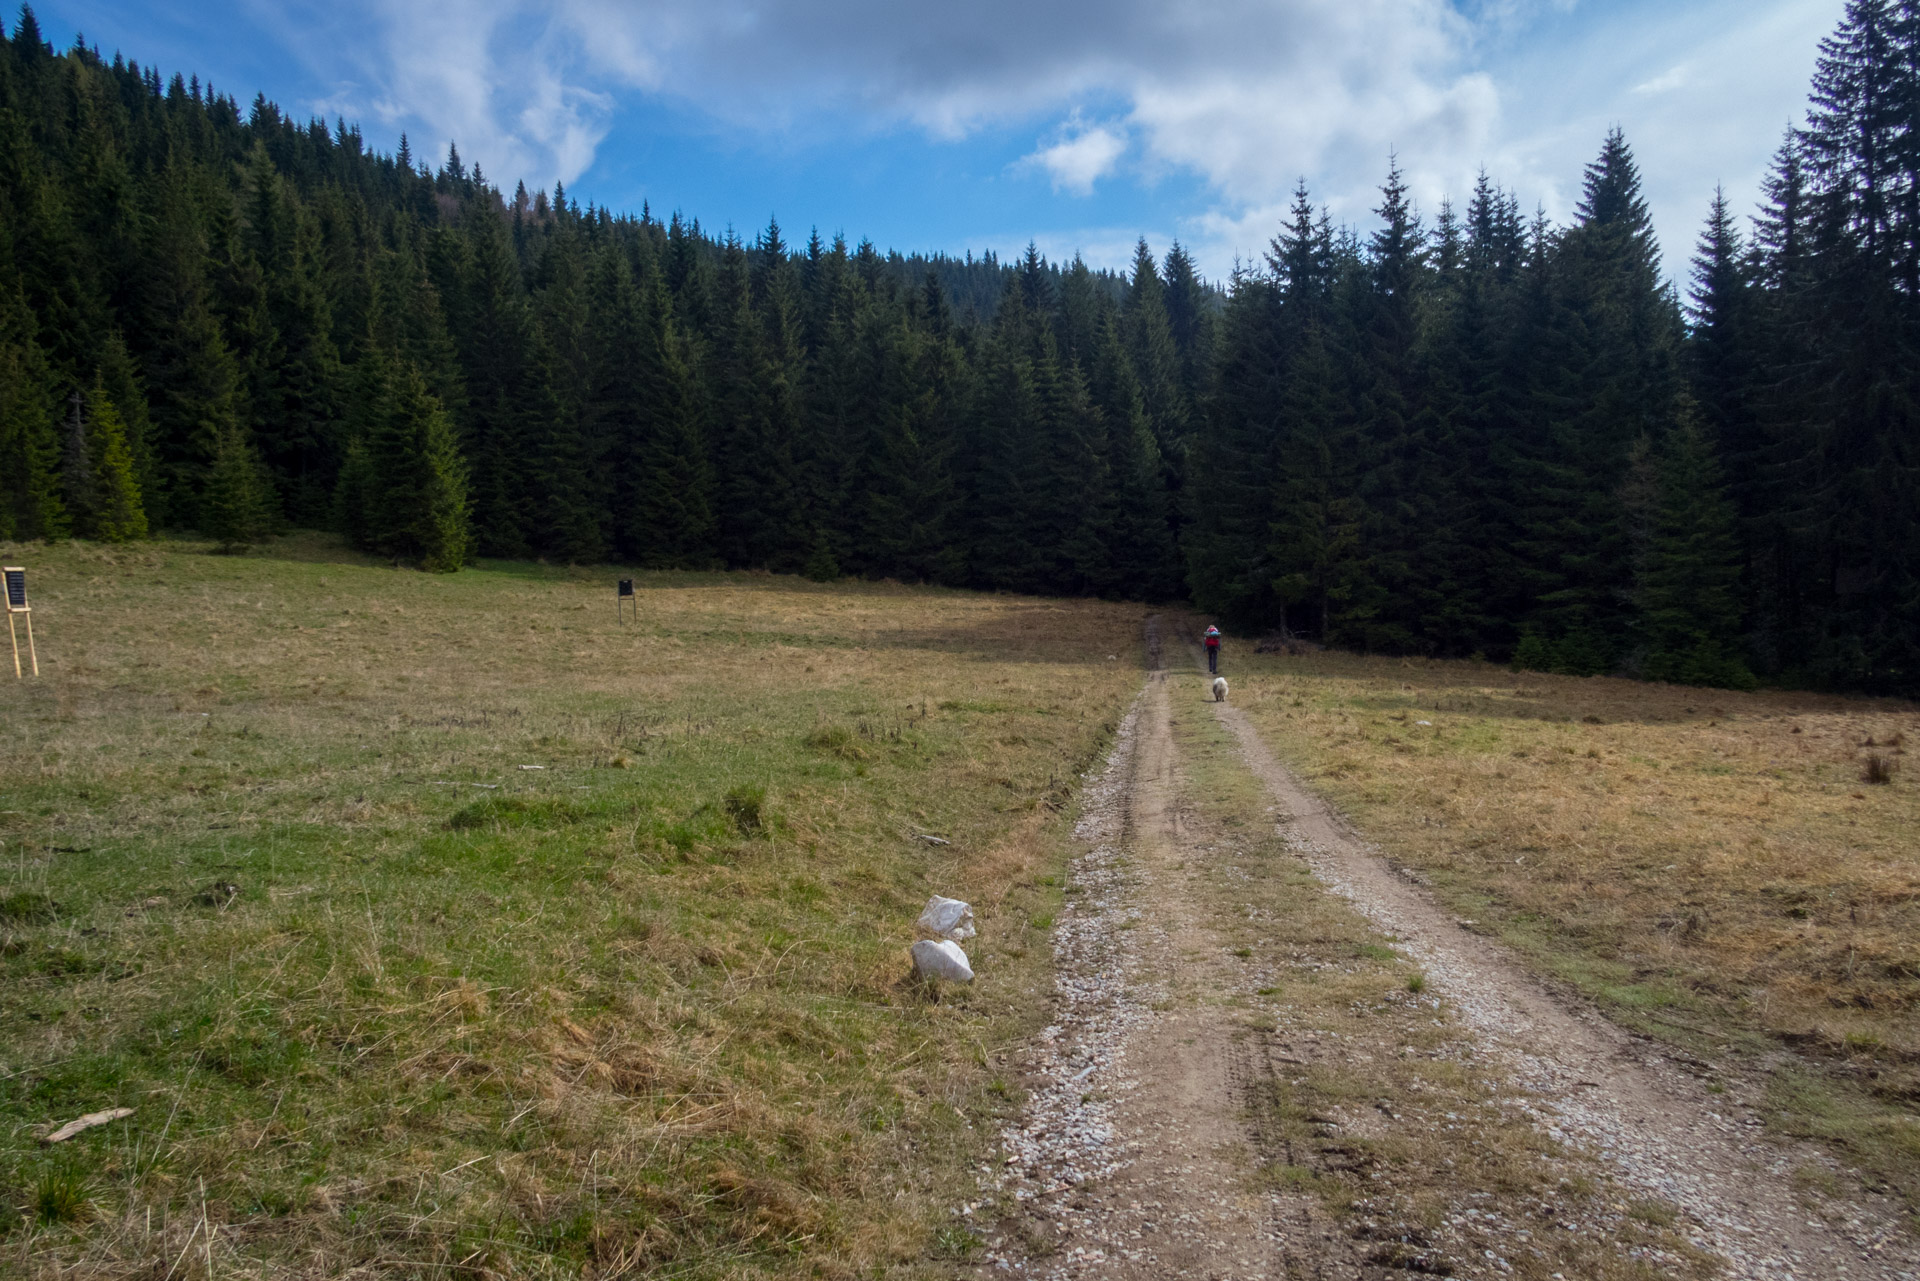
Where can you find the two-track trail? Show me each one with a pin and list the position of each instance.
(1130, 1158)
(1657, 1127)
(1142, 1153)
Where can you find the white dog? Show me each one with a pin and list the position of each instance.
(1219, 689)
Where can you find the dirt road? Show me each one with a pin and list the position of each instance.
(1174, 1129)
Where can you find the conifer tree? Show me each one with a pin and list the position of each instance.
(191, 373)
(760, 517)
(1226, 541)
(1069, 537)
(233, 503)
(117, 514)
(1192, 315)
(1722, 347)
(1847, 411)
(1316, 553)
(907, 526)
(1404, 506)
(30, 505)
(120, 382)
(667, 518)
(1607, 373)
(1156, 359)
(440, 531)
(1687, 585)
(997, 465)
(76, 467)
(506, 404)
(402, 490)
(296, 401)
(1141, 546)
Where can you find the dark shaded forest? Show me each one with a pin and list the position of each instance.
(1476, 434)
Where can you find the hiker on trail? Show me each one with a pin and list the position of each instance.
(1213, 650)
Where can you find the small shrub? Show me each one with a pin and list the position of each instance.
(1879, 769)
(821, 566)
(1416, 982)
(61, 1196)
(745, 805)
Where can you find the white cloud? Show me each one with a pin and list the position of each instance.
(517, 95)
(1247, 95)
(1673, 78)
(1246, 92)
(1083, 156)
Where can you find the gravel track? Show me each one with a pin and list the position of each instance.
(1130, 1157)
(1617, 1096)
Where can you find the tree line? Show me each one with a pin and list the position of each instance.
(232, 322)
(1494, 435)
(1486, 434)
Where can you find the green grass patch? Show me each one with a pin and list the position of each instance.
(440, 925)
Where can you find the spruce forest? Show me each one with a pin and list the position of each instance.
(1475, 432)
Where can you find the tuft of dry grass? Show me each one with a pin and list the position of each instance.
(1703, 864)
(447, 925)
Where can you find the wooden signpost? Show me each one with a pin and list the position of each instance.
(622, 596)
(16, 587)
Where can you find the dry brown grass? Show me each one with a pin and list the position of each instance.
(640, 1011)
(1708, 865)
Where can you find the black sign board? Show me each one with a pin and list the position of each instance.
(16, 588)
(626, 587)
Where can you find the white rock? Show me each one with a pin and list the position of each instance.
(947, 918)
(941, 959)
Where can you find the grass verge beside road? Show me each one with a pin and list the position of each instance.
(443, 925)
(1712, 868)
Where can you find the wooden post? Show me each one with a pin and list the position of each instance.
(15, 638)
(622, 594)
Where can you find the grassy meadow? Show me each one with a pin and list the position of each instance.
(1712, 868)
(444, 926)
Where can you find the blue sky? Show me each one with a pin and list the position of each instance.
(1079, 124)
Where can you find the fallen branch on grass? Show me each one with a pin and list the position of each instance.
(87, 1122)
